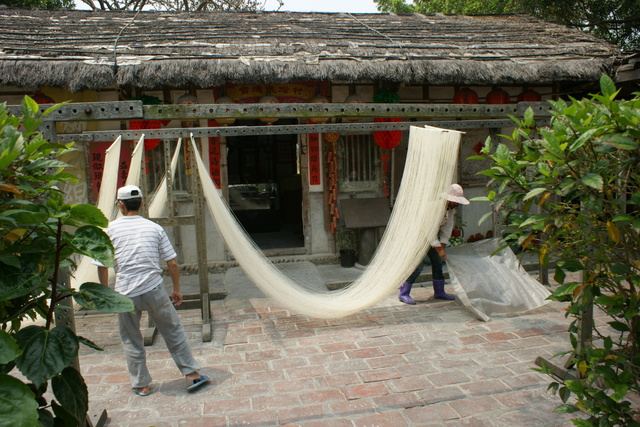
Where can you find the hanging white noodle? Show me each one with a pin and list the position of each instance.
(135, 171)
(158, 204)
(86, 271)
(429, 169)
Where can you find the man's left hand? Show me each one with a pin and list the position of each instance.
(176, 298)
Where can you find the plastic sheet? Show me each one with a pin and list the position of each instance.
(489, 285)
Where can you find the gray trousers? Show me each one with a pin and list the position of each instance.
(164, 315)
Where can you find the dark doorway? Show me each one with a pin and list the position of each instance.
(265, 188)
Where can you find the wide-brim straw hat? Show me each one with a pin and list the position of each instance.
(456, 195)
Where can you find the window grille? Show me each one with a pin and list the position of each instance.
(359, 164)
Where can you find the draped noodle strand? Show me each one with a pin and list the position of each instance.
(85, 270)
(415, 219)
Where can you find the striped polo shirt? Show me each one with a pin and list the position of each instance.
(139, 244)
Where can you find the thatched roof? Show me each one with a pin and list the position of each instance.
(90, 50)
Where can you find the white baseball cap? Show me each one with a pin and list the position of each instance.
(129, 192)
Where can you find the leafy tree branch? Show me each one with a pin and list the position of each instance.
(570, 193)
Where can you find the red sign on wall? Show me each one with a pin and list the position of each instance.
(96, 166)
(285, 92)
(315, 171)
(214, 156)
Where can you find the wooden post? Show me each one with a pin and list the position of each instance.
(201, 245)
(150, 333)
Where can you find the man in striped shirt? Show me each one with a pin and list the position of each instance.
(138, 246)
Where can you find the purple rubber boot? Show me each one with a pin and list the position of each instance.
(405, 289)
(438, 290)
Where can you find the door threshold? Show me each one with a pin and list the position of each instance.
(284, 251)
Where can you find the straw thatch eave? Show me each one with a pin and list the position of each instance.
(81, 50)
(77, 76)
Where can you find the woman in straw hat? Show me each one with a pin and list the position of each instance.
(437, 254)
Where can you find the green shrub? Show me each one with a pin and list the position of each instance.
(570, 192)
(39, 234)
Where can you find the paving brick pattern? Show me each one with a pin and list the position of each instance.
(431, 364)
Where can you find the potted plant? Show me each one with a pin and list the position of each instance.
(457, 234)
(347, 243)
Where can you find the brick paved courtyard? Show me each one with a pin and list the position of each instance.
(432, 364)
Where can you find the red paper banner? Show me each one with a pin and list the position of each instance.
(214, 156)
(314, 159)
(285, 92)
(96, 166)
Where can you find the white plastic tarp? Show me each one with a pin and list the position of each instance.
(489, 285)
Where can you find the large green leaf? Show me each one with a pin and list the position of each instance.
(9, 349)
(534, 193)
(89, 343)
(29, 214)
(566, 409)
(30, 107)
(620, 141)
(45, 417)
(566, 289)
(98, 297)
(46, 164)
(18, 404)
(10, 260)
(71, 392)
(45, 352)
(7, 156)
(93, 242)
(34, 145)
(593, 180)
(38, 245)
(15, 282)
(551, 143)
(582, 139)
(12, 149)
(607, 86)
(63, 417)
(89, 214)
(533, 219)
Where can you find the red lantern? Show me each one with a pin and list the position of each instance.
(318, 99)
(529, 95)
(498, 96)
(226, 121)
(41, 98)
(187, 99)
(354, 99)
(331, 136)
(149, 144)
(387, 139)
(465, 96)
(268, 99)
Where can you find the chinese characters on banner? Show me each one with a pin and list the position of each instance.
(315, 162)
(96, 166)
(286, 92)
(187, 159)
(214, 156)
